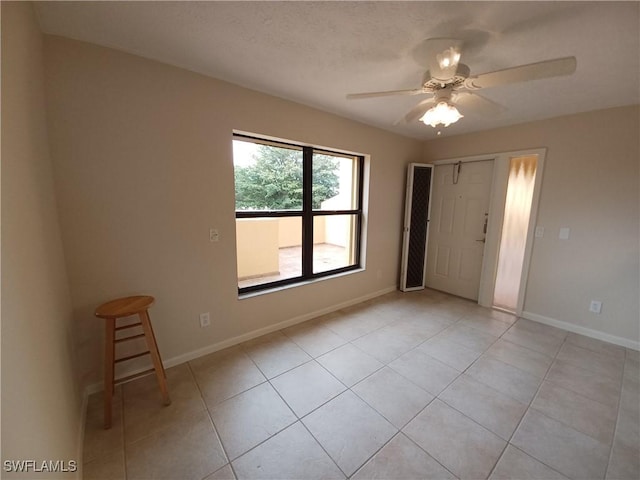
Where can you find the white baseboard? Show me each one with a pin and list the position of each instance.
(185, 357)
(271, 328)
(587, 332)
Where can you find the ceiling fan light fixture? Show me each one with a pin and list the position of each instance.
(448, 58)
(443, 113)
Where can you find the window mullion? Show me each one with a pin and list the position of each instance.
(307, 212)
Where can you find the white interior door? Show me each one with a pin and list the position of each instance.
(459, 215)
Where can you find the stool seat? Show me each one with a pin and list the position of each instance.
(124, 307)
(111, 312)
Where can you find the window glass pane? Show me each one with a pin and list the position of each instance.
(334, 182)
(334, 241)
(269, 249)
(267, 177)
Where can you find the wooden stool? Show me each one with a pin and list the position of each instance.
(111, 311)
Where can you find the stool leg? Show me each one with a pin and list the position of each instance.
(155, 355)
(109, 365)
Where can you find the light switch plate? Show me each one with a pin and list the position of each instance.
(564, 233)
(539, 232)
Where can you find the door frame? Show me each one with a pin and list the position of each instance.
(497, 200)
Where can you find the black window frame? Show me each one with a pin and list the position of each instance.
(308, 214)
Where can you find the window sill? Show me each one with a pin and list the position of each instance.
(266, 291)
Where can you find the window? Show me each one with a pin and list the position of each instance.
(298, 212)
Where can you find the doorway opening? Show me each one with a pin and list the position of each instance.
(515, 232)
(502, 239)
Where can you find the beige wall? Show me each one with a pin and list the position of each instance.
(290, 231)
(143, 167)
(590, 185)
(40, 397)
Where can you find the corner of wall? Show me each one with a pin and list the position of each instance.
(42, 407)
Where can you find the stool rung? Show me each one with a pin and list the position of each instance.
(128, 326)
(130, 357)
(131, 377)
(124, 339)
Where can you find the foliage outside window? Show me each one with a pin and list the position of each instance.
(298, 212)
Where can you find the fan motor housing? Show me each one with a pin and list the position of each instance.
(433, 84)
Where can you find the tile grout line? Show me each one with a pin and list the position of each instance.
(300, 419)
(418, 413)
(353, 392)
(124, 440)
(323, 353)
(213, 424)
(508, 442)
(400, 430)
(529, 406)
(116, 450)
(464, 372)
(615, 428)
(397, 434)
(454, 322)
(316, 408)
(322, 446)
(419, 446)
(267, 380)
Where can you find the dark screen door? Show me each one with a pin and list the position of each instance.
(416, 226)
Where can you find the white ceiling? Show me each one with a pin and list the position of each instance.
(316, 52)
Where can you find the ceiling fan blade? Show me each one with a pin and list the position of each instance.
(523, 73)
(478, 105)
(355, 96)
(417, 111)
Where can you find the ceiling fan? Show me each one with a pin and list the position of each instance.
(450, 83)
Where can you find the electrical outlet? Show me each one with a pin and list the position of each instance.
(205, 320)
(214, 235)
(595, 306)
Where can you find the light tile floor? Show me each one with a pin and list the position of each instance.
(409, 385)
